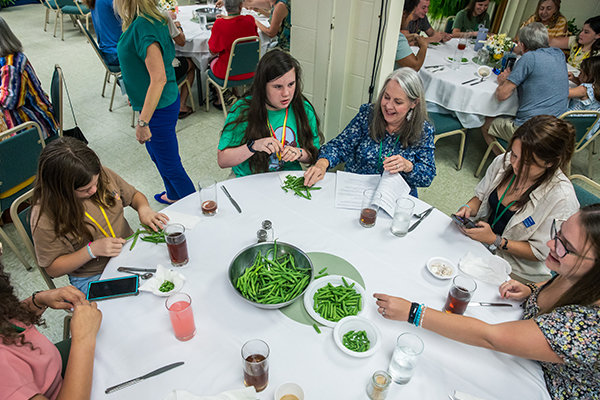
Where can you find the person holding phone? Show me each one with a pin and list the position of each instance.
(275, 127)
(522, 192)
(77, 219)
(30, 365)
(560, 327)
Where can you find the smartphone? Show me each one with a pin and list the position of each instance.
(111, 288)
(463, 222)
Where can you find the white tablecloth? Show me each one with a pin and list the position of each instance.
(136, 336)
(471, 104)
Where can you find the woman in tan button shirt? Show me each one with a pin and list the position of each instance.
(77, 219)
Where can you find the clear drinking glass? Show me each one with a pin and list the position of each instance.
(370, 206)
(208, 196)
(255, 358)
(177, 244)
(402, 215)
(404, 360)
(460, 294)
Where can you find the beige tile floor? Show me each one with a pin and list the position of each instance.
(112, 137)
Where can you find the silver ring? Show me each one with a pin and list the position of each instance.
(397, 166)
(383, 312)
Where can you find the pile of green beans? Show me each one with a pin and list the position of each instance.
(273, 281)
(296, 184)
(356, 341)
(336, 302)
(167, 286)
(148, 236)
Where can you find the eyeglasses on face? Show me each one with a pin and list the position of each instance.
(560, 248)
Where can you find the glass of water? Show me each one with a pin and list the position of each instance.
(404, 360)
(402, 214)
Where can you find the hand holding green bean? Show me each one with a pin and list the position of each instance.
(296, 184)
(147, 235)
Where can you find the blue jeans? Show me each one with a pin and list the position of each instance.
(164, 152)
(81, 282)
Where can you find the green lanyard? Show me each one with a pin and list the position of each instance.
(498, 216)
(380, 161)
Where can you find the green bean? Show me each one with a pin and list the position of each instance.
(148, 236)
(321, 271)
(356, 341)
(316, 328)
(336, 302)
(296, 184)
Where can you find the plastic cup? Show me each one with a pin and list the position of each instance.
(255, 359)
(289, 391)
(177, 244)
(460, 294)
(402, 215)
(404, 360)
(370, 207)
(208, 196)
(182, 316)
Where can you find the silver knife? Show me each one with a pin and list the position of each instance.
(124, 268)
(476, 83)
(235, 204)
(490, 304)
(434, 66)
(413, 226)
(469, 81)
(159, 371)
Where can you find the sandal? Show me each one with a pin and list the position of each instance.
(158, 197)
(185, 114)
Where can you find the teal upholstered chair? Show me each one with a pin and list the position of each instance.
(18, 166)
(448, 125)
(56, 97)
(50, 5)
(449, 24)
(22, 224)
(73, 9)
(587, 191)
(245, 53)
(502, 146)
(584, 122)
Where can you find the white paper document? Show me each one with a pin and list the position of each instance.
(349, 189)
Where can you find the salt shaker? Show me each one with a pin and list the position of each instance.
(261, 236)
(377, 388)
(268, 227)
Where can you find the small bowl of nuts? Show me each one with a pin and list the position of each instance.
(441, 267)
(484, 71)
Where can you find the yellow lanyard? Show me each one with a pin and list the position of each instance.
(577, 53)
(283, 134)
(98, 225)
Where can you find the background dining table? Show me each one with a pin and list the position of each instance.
(196, 40)
(136, 335)
(445, 92)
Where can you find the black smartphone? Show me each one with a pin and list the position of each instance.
(463, 222)
(110, 288)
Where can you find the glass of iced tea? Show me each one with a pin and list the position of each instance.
(176, 244)
(182, 316)
(208, 196)
(255, 358)
(460, 294)
(370, 206)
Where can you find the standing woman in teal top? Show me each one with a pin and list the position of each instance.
(146, 54)
(469, 19)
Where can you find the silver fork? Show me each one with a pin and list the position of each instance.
(418, 216)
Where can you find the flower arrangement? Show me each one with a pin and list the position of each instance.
(498, 44)
(168, 5)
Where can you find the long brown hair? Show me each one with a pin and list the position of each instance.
(594, 24)
(65, 165)
(585, 291)
(471, 10)
(11, 309)
(547, 139)
(590, 67)
(273, 65)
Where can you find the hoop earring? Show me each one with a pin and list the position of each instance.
(409, 115)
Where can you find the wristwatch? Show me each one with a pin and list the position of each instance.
(249, 145)
(142, 123)
(494, 246)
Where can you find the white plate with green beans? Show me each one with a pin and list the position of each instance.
(357, 337)
(331, 298)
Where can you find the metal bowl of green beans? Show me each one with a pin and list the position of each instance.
(270, 275)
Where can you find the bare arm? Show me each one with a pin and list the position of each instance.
(471, 210)
(158, 79)
(232, 156)
(519, 338)
(580, 92)
(505, 87)
(279, 14)
(179, 39)
(147, 215)
(412, 61)
(560, 42)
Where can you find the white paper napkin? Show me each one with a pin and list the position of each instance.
(464, 396)
(491, 269)
(187, 220)
(162, 274)
(240, 394)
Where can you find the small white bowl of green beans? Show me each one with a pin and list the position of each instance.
(357, 336)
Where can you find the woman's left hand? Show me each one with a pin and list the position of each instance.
(483, 233)
(143, 134)
(396, 163)
(62, 298)
(391, 307)
(290, 153)
(152, 218)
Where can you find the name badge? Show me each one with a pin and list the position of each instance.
(528, 222)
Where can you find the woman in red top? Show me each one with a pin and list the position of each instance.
(224, 32)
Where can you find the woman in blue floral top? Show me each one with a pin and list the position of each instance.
(561, 322)
(390, 135)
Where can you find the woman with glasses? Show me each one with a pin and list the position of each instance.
(77, 219)
(561, 319)
(522, 192)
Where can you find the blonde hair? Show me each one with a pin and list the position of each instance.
(129, 10)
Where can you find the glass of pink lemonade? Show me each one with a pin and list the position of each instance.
(182, 316)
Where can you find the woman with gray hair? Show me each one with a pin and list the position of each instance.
(224, 32)
(391, 135)
(22, 98)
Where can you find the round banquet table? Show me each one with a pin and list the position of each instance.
(444, 92)
(136, 336)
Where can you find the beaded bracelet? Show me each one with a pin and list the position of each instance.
(418, 316)
(465, 205)
(89, 249)
(413, 312)
(33, 300)
(422, 315)
(533, 287)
